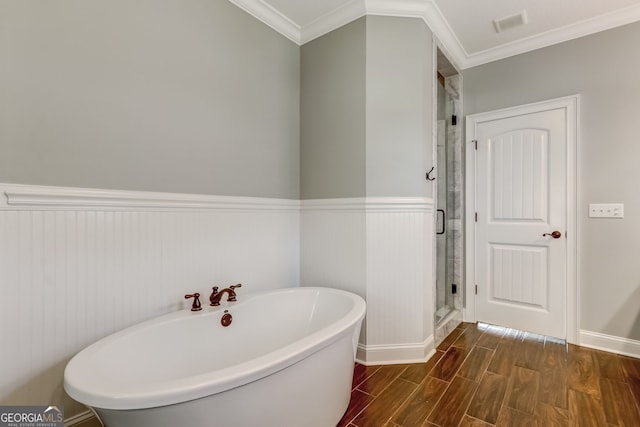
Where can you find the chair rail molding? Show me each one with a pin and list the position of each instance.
(69, 198)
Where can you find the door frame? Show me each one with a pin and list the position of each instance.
(571, 106)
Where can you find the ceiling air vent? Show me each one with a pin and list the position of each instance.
(509, 22)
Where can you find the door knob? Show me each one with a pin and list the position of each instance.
(555, 234)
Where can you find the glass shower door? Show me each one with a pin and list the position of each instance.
(444, 295)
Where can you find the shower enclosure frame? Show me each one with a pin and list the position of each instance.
(454, 210)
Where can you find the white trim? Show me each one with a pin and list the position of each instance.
(450, 44)
(571, 105)
(369, 204)
(395, 354)
(79, 418)
(272, 17)
(34, 197)
(573, 221)
(425, 9)
(610, 343)
(434, 185)
(335, 19)
(469, 310)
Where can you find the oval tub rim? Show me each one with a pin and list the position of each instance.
(169, 392)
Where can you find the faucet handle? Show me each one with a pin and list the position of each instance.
(232, 294)
(213, 295)
(196, 301)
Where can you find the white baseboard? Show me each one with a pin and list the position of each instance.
(610, 343)
(395, 354)
(79, 418)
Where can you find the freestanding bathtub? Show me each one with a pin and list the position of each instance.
(286, 360)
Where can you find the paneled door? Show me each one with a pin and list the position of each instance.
(520, 231)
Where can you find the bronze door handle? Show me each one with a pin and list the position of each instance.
(555, 234)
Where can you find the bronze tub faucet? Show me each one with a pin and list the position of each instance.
(217, 296)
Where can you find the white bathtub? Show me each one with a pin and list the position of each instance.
(286, 360)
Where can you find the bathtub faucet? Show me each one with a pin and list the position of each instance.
(217, 296)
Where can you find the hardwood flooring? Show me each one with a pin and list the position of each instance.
(486, 376)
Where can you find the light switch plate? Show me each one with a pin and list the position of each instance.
(606, 210)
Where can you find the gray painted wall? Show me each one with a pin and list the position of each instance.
(190, 96)
(399, 107)
(366, 110)
(332, 114)
(603, 69)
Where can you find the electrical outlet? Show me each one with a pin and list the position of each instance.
(606, 210)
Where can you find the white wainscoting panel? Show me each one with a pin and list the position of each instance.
(77, 265)
(381, 249)
(333, 249)
(399, 278)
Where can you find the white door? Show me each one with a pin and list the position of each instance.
(520, 232)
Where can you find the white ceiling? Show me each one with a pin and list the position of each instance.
(464, 27)
(472, 21)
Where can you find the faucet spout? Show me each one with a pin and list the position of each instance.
(216, 296)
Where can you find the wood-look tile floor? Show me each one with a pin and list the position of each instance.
(92, 422)
(485, 375)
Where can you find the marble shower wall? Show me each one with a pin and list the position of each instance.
(455, 180)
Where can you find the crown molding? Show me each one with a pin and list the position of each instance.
(271, 17)
(569, 32)
(335, 19)
(442, 31)
(428, 11)
(354, 9)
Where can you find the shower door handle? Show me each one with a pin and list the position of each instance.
(444, 217)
